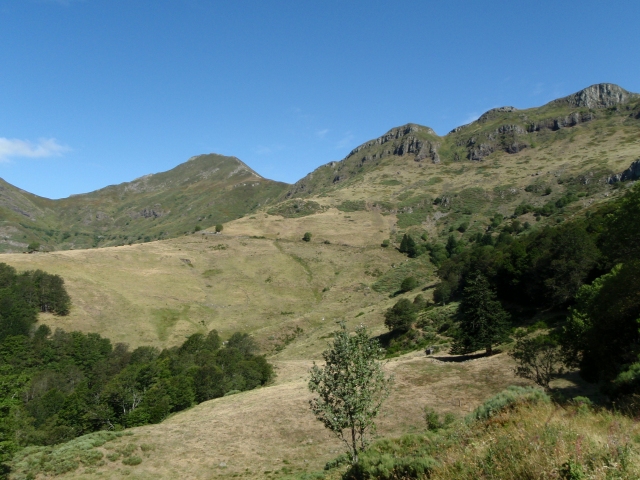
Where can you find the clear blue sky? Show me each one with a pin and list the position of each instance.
(97, 92)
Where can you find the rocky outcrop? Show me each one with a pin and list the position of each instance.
(154, 212)
(494, 112)
(631, 173)
(571, 120)
(601, 95)
(394, 134)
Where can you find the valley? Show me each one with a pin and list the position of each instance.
(158, 272)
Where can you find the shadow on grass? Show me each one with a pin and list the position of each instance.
(570, 385)
(461, 358)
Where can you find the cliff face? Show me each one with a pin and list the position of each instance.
(601, 95)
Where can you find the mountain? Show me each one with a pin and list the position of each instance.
(577, 145)
(574, 147)
(205, 190)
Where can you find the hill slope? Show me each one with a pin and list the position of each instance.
(205, 190)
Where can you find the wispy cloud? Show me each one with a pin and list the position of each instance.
(471, 117)
(346, 141)
(322, 133)
(15, 148)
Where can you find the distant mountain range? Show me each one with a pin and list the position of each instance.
(580, 143)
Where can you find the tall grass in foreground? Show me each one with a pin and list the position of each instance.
(519, 434)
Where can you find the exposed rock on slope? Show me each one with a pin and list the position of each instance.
(601, 95)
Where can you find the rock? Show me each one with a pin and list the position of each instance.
(631, 173)
(601, 95)
(561, 122)
(494, 112)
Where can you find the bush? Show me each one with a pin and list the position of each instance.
(511, 396)
(132, 460)
(307, 237)
(219, 228)
(384, 466)
(385, 243)
(408, 284)
(401, 316)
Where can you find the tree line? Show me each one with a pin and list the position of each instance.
(585, 270)
(55, 386)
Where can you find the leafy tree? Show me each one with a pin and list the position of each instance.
(385, 243)
(483, 321)
(33, 247)
(307, 237)
(538, 358)
(351, 388)
(401, 316)
(219, 227)
(442, 293)
(409, 284)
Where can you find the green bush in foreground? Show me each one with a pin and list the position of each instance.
(507, 398)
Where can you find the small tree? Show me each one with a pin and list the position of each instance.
(483, 322)
(219, 228)
(408, 246)
(33, 247)
(351, 388)
(538, 358)
(401, 316)
(307, 237)
(408, 284)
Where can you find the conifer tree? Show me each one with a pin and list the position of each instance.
(484, 323)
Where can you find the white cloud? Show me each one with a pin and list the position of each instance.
(322, 133)
(45, 147)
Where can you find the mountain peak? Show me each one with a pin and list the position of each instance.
(600, 95)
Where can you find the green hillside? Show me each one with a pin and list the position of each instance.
(569, 152)
(204, 191)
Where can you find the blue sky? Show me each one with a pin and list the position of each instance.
(98, 92)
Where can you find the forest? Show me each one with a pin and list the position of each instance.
(55, 386)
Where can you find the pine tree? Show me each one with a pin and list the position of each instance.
(484, 322)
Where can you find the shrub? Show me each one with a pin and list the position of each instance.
(511, 396)
(197, 228)
(307, 237)
(408, 284)
(387, 467)
(385, 243)
(219, 228)
(132, 460)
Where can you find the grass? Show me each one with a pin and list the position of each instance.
(529, 439)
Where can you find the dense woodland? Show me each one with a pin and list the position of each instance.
(57, 386)
(583, 274)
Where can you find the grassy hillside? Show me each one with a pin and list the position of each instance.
(259, 277)
(505, 158)
(206, 190)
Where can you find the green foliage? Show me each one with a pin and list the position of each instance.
(401, 316)
(219, 227)
(56, 387)
(23, 295)
(385, 243)
(296, 209)
(352, 206)
(307, 237)
(408, 246)
(538, 358)
(409, 284)
(483, 321)
(507, 398)
(350, 388)
(33, 247)
(435, 421)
